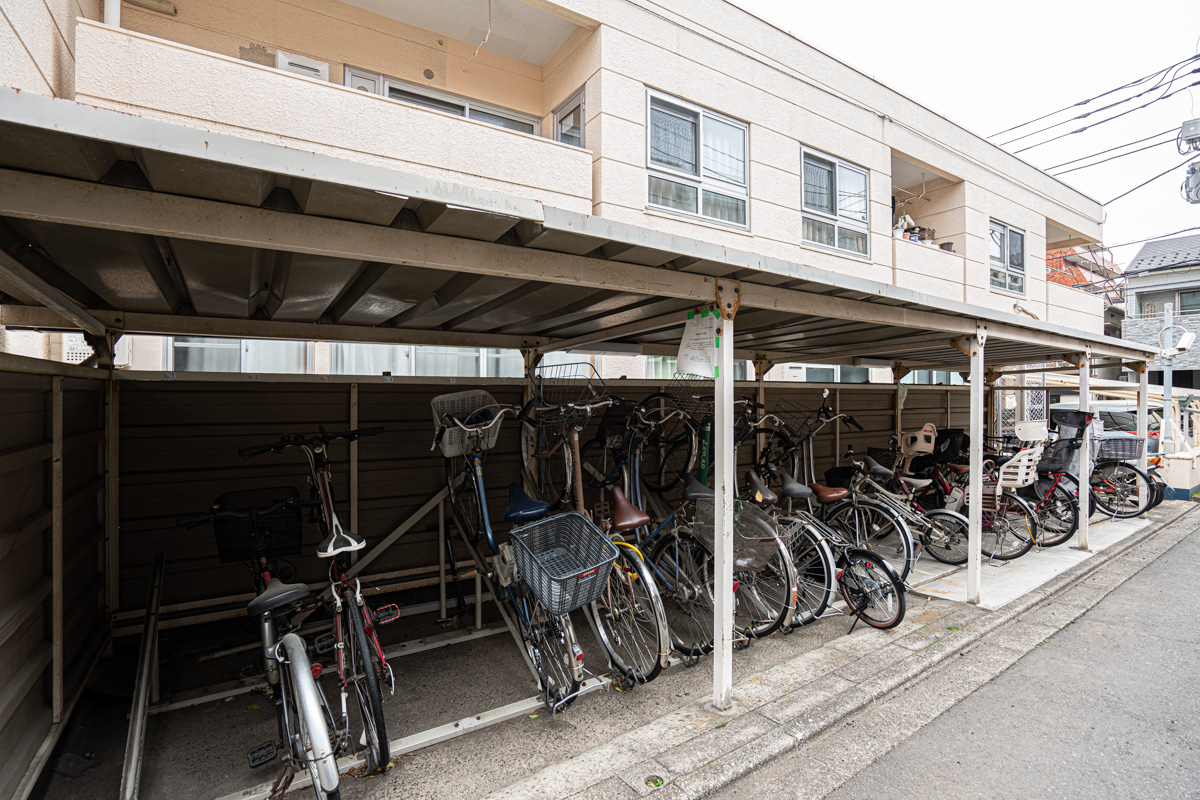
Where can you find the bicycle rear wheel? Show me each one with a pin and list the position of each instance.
(546, 461)
(763, 598)
(684, 571)
(947, 536)
(464, 498)
(670, 450)
(550, 642)
(1057, 512)
(878, 528)
(363, 670)
(1010, 531)
(601, 469)
(1121, 490)
(630, 620)
(871, 588)
(813, 561)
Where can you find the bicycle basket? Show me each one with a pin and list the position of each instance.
(840, 477)
(803, 421)
(754, 533)
(1118, 448)
(555, 386)
(693, 394)
(565, 559)
(881, 455)
(278, 533)
(473, 406)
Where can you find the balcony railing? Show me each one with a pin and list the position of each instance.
(152, 77)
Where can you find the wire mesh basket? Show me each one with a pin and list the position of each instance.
(556, 387)
(693, 394)
(278, 533)
(472, 407)
(755, 535)
(565, 559)
(1118, 448)
(803, 421)
(883, 456)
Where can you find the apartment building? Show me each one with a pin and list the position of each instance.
(692, 119)
(1165, 272)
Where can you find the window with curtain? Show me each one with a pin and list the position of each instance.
(854, 375)
(1007, 256)
(205, 354)
(267, 355)
(504, 364)
(835, 204)
(1189, 302)
(353, 358)
(459, 362)
(697, 160)
(819, 374)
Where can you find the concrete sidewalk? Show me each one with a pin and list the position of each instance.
(665, 740)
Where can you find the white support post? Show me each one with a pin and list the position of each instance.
(1085, 452)
(725, 487)
(112, 13)
(975, 531)
(1143, 426)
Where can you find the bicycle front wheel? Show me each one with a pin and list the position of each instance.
(947, 535)
(464, 498)
(363, 669)
(630, 619)
(813, 561)
(1121, 490)
(1057, 512)
(1010, 531)
(878, 528)
(546, 461)
(684, 571)
(763, 597)
(550, 642)
(669, 452)
(601, 469)
(872, 590)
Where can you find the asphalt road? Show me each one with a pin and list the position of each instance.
(1107, 708)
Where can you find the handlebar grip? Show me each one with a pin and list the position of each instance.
(372, 431)
(437, 437)
(314, 502)
(854, 422)
(188, 522)
(250, 452)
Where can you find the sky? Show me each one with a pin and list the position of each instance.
(989, 66)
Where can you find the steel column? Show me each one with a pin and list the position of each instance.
(354, 467)
(1143, 406)
(1085, 453)
(975, 532)
(725, 486)
(1166, 434)
(112, 499)
(56, 547)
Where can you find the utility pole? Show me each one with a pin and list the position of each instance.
(1168, 418)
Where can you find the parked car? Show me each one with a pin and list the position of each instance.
(1120, 420)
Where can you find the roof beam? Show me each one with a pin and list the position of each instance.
(896, 346)
(31, 317)
(617, 331)
(23, 278)
(448, 292)
(73, 202)
(364, 280)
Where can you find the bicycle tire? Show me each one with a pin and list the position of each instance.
(547, 469)
(763, 599)
(366, 686)
(874, 526)
(315, 746)
(684, 572)
(1126, 489)
(669, 452)
(949, 542)
(815, 577)
(464, 499)
(600, 470)
(1058, 513)
(631, 621)
(871, 588)
(780, 452)
(1010, 531)
(548, 642)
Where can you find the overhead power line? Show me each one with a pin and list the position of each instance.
(1129, 85)
(1151, 238)
(1171, 131)
(1152, 180)
(1113, 158)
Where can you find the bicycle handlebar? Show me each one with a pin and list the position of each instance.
(299, 440)
(215, 513)
(447, 419)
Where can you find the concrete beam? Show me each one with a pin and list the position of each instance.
(24, 279)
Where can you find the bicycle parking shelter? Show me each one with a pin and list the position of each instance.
(116, 224)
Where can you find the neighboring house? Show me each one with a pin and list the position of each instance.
(1165, 271)
(1093, 270)
(694, 119)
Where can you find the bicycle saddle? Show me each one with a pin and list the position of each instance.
(958, 469)
(828, 494)
(793, 488)
(339, 540)
(877, 469)
(695, 490)
(759, 493)
(276, 595)
(626, 516)
(916, 483)
(522, 508)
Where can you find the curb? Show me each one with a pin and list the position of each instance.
(752, 755)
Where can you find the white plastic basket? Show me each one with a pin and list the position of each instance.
(455, 442)
(1021, 469)
(1031, 430)
(919, 442)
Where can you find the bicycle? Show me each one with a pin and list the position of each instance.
(362, 667)
(259, 535)
(549, 567)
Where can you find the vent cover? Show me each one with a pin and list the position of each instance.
(302, 65)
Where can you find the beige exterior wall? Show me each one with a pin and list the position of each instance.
(37, 44)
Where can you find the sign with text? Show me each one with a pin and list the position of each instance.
(698, 348)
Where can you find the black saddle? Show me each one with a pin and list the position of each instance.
(277, 595)
(695, 490)
(759, 493)
(793, 488)
(878, 470)
(522, 508)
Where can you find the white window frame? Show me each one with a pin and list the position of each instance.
(837, 219)
(578, 99)
(699, 180)
(1005, 266)
(384, 83)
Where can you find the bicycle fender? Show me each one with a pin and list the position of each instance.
(842, 561)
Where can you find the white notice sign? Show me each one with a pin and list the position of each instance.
(698, 348)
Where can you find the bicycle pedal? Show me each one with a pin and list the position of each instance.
(386, 614)
(325, 643)
(261, 754)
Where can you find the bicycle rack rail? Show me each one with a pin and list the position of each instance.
(145, 685)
